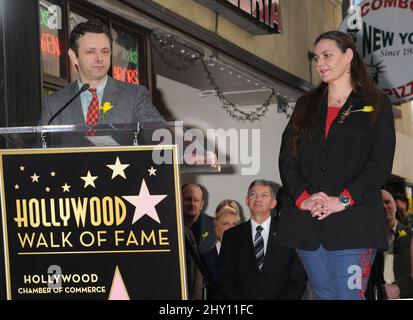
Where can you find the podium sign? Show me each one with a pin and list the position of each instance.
(92, 223)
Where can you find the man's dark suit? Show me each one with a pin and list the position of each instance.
(194, 275)
(401, 266)
(282, 276)
(131, 104)
(211, 261)
(204, 231)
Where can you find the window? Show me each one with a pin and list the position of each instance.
(75, 19)
(50, 42)
(125, 56)
(128, 51)
(47, 92)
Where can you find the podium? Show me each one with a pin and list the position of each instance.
(95, 212)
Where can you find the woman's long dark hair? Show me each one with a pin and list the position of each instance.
(361, 81)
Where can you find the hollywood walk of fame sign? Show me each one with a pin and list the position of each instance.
(100, 223)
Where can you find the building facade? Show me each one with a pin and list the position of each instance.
(231, 69)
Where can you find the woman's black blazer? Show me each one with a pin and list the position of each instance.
(357, 155)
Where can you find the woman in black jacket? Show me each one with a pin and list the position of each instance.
(336, 153)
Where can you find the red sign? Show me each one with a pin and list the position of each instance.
(49, 44)
(256, 16)
(125, 75)
(384, 4)
(382, 30)
(267, 11)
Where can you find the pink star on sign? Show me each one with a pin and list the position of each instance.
(118, 290)
(145, 203)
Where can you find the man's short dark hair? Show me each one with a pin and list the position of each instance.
(402, 197)
(268, 183)
(92, 26)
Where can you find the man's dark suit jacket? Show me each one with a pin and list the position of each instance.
(401, 266)
(282, 276)
(211, 261)
(131, 103)
(204, 232)
(357, 155)
(194, 275)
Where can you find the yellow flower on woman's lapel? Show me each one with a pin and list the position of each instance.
(345, 114)
(105, 108)
(205, 234)
(402, 233)
(364, 109)
(368, 109)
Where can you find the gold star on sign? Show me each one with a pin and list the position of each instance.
(21, 168)
(152, 171)
(66, 188)
(35, 177)
(47, 189)
(89, 180)
(16, 186)
(118, 168)
(52, 173)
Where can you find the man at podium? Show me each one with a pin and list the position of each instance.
(95, 97)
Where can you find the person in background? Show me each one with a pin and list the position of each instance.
(336, 153)
(391, 272)
(402, 203)
(227, 215)
(195, 278)
(228, 204)
(198, 221)
(251, 265)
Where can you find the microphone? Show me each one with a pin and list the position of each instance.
(85, 87)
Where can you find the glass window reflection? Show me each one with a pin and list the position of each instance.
(49, 41)
(125, 56)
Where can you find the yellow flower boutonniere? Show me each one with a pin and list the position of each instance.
(402, 233)
(349, 110)
(205, 234)
(105, 108)
(364, 109)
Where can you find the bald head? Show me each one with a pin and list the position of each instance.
(193, 202)
(192, 186)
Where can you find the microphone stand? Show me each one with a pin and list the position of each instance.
(85, 87)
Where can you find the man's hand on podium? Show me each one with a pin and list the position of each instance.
(208, 158)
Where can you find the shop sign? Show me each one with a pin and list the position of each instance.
(258, 17)
(91, 224)
(383, 33)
